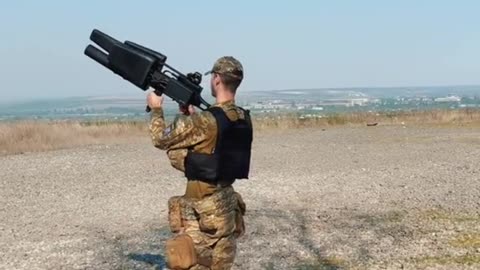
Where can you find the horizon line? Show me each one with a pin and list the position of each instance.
(15, 100)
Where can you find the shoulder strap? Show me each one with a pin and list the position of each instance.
(220, 115)
(222, 123)
(248, 118)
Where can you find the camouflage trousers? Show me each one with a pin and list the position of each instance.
(205, 231)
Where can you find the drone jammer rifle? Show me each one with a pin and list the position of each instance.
(146, 68)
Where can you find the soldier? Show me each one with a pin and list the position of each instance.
(212, 148)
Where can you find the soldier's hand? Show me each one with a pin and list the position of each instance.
(191, 109)
(154, 101)
(186, 110)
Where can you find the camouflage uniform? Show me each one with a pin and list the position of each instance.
(208, 218)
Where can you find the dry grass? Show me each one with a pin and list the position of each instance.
(452, 260)
(466, 240)
(436, 117)
(27, 136)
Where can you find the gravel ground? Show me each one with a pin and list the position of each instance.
(385, 197)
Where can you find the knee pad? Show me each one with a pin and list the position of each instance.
(180, 252)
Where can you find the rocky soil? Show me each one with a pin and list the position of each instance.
(384, 197)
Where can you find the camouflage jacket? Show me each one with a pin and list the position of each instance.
(197, 132)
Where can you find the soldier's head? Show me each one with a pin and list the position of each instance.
(226, 75)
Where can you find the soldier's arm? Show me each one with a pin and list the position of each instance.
(177, 157)
(183, 132)
(157, 128)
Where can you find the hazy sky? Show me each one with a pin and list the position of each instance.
(282, 44)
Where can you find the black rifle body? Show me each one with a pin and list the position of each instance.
(146, 68)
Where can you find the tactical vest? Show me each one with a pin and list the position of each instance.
(230, 159)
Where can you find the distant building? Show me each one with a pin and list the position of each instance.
(448, 99)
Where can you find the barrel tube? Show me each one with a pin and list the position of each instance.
(103, 40)
(97, 55)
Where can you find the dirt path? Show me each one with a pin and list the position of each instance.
(341, 198)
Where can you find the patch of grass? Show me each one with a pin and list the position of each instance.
(337, 120)
(468, 259)
(439, 117)
(393, 216)
(28, 136)
(413, 139)
(31, 136)
(269, 266)
(452, 217)
(468, 140)
(466, 240)
(388, 217)
(328, 263)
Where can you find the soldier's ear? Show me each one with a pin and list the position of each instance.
(216, 79)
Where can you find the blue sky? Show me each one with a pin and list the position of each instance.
(282, 44)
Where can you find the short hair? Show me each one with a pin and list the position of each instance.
(230, 82)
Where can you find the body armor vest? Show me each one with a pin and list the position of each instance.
(230, 159)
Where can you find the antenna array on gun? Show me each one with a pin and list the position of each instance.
(143, 67)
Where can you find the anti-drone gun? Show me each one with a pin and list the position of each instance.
(146, 68)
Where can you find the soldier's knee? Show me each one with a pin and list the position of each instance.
(180, 252)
